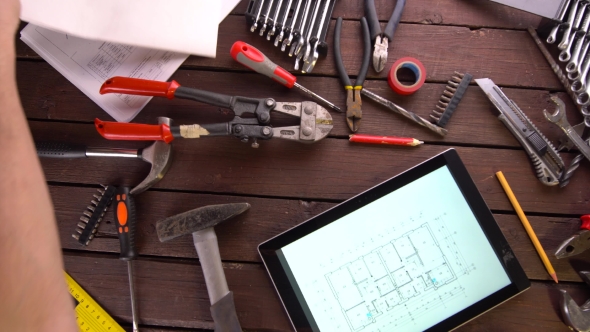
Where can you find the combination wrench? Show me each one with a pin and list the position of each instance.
(579, 34)
(300, 31)
(565, 41)
(303, 50)
(559, 118)
(255, 25)
(285, 17)
(310, 60)
(274, 20)
(264, 25)
(287, 41)
(553, 34)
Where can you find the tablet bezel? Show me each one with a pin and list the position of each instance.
(450, 158)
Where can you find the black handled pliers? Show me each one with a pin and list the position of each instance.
(382, 38)
(354, 112)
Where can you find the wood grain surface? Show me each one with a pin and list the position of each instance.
(287, 183)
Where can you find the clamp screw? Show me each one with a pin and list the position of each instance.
(238, 129)
(306, 131)
(244, 139)
(264, 117)
(255, 145)
(270, 102)
(308, 110)
(266, 131)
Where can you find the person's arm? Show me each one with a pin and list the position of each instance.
(33, 293)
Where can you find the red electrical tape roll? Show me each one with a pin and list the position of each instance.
(415, 66)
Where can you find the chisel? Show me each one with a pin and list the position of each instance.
(252, 58)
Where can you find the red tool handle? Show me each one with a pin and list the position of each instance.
(133, 131)
(252, 58)
(136, 86)
(585, 221)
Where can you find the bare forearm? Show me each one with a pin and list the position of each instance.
(29, 245)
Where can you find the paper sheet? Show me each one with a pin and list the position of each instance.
(183, 26)
(87, 64)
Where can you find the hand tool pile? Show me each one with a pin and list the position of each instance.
(301, 25)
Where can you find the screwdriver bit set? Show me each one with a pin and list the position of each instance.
(298, 26)
(449, 100)
(93, 214)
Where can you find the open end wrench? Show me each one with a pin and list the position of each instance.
(565, 41)
(559, 118)
(279, 37)
(287, 41)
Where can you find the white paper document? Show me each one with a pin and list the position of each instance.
(184, 26)
(88, 63)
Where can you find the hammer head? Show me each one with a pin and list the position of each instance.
(159, 155)
(197, 219)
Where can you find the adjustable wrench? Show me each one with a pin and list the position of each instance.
(303, 50)
(553, 33)
(287, 41)
(559, 118)
(310, 61)
(274, 20)
(285, 17)
(565, 41)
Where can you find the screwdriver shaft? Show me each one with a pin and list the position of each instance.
(317, 97)
(132, 292)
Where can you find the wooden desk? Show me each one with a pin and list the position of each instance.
(286, 183)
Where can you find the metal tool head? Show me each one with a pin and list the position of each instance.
(316, 122)
(559, 115)
(380, 53)
(354, 112)
(197, 219)
(576, 317)
(574, 245)
(159, 155)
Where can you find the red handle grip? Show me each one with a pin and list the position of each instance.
(585, 221)
(252, 58)
(137, 86)
(133, 131)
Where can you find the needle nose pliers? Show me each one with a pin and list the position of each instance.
(354, 112)
(382, 38)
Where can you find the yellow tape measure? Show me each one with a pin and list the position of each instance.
(89, 315)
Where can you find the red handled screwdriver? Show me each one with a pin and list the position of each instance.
(125, 222)
(252, 58)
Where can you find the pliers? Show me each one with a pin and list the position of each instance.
(354, 112)
(315, 122)
(382, 38)
(577, 243)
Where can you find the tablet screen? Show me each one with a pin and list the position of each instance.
(406, 261)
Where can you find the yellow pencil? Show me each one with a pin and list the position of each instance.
(527, 225)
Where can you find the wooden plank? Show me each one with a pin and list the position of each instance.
(174, 294)
(510, 58)
(331, 169)
(477, 13)
(45, 94)
(239, 238)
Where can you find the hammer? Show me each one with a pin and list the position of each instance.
(158, 155)
(200, 222)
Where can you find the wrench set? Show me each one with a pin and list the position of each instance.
(299, 26)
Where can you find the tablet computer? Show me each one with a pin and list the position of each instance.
(418, 252)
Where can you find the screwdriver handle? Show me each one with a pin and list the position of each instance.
(252, 58)
(137, 86)
(133, 131)
(585, 222)
(125, 222)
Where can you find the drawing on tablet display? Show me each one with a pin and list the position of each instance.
(393, 284)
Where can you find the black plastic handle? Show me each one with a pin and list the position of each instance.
(394, 20)
(124, 211)
(338, 56)
(60, 150)
(360, 79)
(207, 97)
(371, 15)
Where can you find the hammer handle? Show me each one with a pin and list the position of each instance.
(60, 150)
(208, 251)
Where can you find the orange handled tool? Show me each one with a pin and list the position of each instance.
(136, 86)
(133, 131)
(252, 58)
